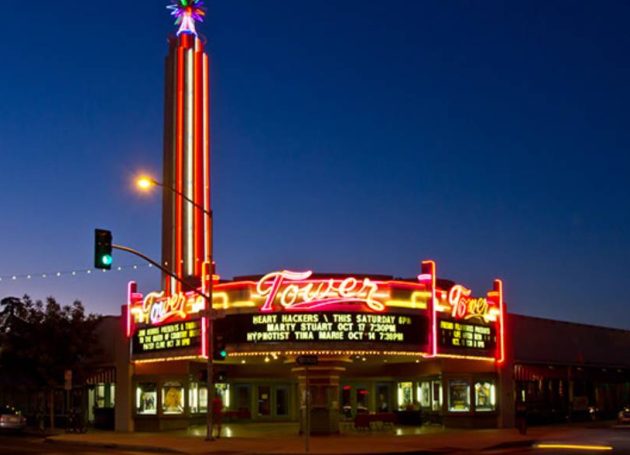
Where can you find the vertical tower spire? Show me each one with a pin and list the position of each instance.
(186, 225)
(186, 12)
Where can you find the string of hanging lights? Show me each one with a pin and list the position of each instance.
(70, 273)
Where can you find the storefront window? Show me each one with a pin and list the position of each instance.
(485, 396)
(203, 398)
(264, 400)
(382, 395)
(282, 401)
(458, 396)
(193, 397)
(223, 390)
(242, 399)
(346, 401)
(362, 401)
(436, 397)
(100, 395)
(424, 394)
(112, 396)
(173, 398)
(146, 398)
(104, 395)
(405, 395)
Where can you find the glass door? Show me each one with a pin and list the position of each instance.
(263, 401)
(383, 398)
(282, 401)
(355, 399)
(242, 401)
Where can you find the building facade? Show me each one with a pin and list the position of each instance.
(340, 345)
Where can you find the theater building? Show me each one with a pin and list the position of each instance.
(420, 349)
(423, 349)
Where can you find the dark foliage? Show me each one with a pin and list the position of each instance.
(39, 341)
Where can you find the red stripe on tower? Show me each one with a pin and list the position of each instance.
(186, 231)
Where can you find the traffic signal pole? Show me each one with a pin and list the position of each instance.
(209, 338)
(155, 264)
(210, 372)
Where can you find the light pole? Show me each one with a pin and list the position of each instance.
(145, 183)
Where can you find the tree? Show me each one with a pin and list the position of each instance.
(38, 342)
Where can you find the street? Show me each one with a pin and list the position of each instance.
(612, 439)
(19, 444)
(601, 437)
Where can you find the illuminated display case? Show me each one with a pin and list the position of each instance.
(424, 394)
(146, 399)
(193, 397)
(173, 398)
(485, 396)
(405, 396)
(436, 395)
(458, 396)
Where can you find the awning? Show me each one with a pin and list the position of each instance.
(102, 375)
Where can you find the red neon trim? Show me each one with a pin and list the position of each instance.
(498, 286)
(388, 283)
(206, 157)
(339, 304)
(131, 289)
(234, 284)
(179, 126)
(199, 216)
(429, 268)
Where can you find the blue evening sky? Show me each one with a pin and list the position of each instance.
(347, 136)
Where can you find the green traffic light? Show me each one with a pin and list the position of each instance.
(223, 353)
(106, 259)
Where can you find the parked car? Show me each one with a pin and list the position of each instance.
(11, 419)
(624, 416)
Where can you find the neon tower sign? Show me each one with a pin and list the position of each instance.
(186, 228)
(186, 12)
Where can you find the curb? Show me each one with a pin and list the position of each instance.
(112, 445)
(52, 439)
(512, 444)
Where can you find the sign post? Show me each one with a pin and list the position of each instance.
(67, 380)
(67, 385)
(307, 413)
(306, 361)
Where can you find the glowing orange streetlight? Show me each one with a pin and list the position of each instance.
(145, 183)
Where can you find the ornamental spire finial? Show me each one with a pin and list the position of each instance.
(186, 13)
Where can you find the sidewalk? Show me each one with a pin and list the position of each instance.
(358, 443)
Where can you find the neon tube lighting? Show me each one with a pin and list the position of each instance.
(573, 447)
(188, 172)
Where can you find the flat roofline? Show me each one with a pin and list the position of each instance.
(558, 321)
(371, 276)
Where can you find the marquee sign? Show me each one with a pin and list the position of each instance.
(327, 329)
(175, 336)
(463, 325)
(293, 291)
(288, 310)
(157, 308)
(165, 325)
(465, 307)
(466, 337)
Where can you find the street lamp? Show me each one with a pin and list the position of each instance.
(146, 183)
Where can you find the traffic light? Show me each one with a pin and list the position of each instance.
(218, 349)
(102, 249)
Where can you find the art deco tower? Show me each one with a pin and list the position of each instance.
(186, 225)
